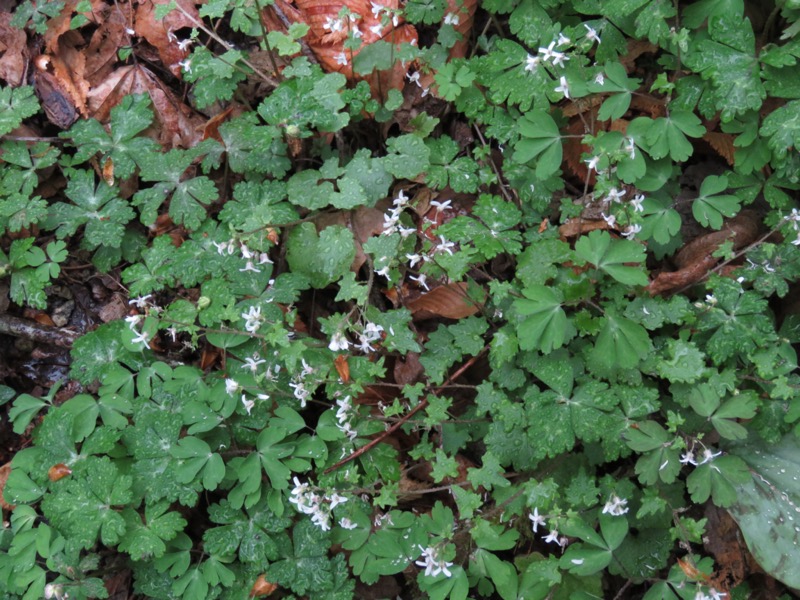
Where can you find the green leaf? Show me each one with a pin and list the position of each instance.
(709, 208)
(540, 138)
(545, 327)
(610, 256)
(323, 258)
(407, 157)
(718, 478)
(16, 105)
(621, 343)
(782, 127)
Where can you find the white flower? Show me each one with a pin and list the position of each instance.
(558, 61)
(383, 272)
(711, 299)
(402, 199)
(300, 392)
(563, 87)
(708, 456)
(414, 78)
(616, 506)
(531, 63)
(636, 203)
(796, 241)
(552, 537)
(184, 44)
(421, 279)
(186, 65)
(687, 458)
(346, 523)
(249, 266)
(600, 79)
(142, 338)
(252, 319)
(630, 148)
(592, 163)
(445, 246)
(591, 34)
(356, 33)
(231, 386)
(335, 500)
(333, 25)
(173, 333)
(631, 231)
(377, 29)
(141, 301)
(451, 19)
(440, 206)
(133, 321)
(252, 362)
(547, 53)
(413, 259)
(248, 404)
(536, 520)
(562, 40)
(433, 565)
(338, 342)
(615, 195)
(376, 9)
(610, 220)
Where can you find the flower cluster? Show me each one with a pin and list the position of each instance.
(537, 521)
(344, 415)
(298, 384)
(616, 506)
(371, 333)
(309, 501)
(391, 220)
(250, 257)
(142, 303)
(433, 563)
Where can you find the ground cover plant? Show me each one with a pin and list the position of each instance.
(424, 299)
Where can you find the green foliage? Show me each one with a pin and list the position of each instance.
(338, 283)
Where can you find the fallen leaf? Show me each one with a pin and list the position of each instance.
(5, 471)
(58, 471)
(449, 301)
(13, 52)
(342, 368)
(262, 587)
(160, 33)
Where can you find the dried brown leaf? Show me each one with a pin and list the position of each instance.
(722, 143)
(13, 52)
(449, 301)
(160, 33)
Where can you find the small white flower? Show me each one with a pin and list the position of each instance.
(440, 206)
(421, 279)
(413, 259)
(401, 199)
(231, 386)
(377, 9)
(687, 458)
(615, 195)
(636, 203)
(558, 61)
(616, 506)
(414, 78)
(249, 266)
(547, 53)
(563, 87)
(377, 29)
(433, 565)
(708, 456)
(184, 44)
(592, 163)
(552, 538)
(600, 79)
(252, 319)
(531, 63)
(445, 246)
(186, 65)
(631, 231)
(173, 333)
(630, 148)
(248, 404)
(333, 25)
(536, 520)
(711, 299)
(562, 40)
(796, 241)
(591, 34)
(338, 342)
(384, 272)
(141, 301)
(253, 362)
(346, 523)
(133, 321)
(610, 220)
(451, 19)
(356, 33)
(142, 338)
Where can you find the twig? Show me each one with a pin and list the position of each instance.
(423, 403)
(34, 331)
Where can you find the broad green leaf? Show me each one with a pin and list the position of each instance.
(545, 326)
(621, 343)
(611, 256)
(540, 138)
(710, 207)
